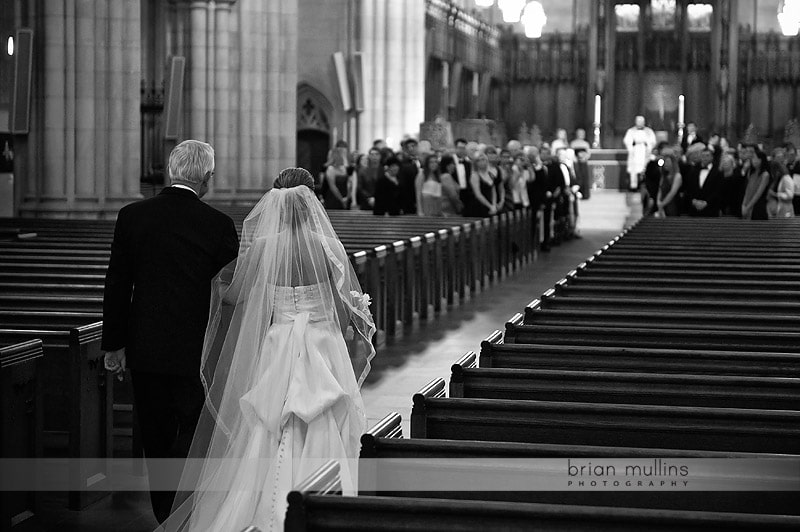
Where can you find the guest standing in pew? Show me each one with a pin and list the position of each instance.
(780, 192)
(670, 184)
(388, 195)
(451, 201)
(165, 252)
(703, 187)
(733, 185)
(288, 345)
(756, 170)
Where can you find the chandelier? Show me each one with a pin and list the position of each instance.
(530, 14)
(789, 17)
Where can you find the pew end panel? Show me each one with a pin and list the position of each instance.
(485, 360)
(434, 389)
(92, 415)
(469, 360)
(512, 325)
(20, 427)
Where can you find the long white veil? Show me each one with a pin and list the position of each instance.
(287, 241)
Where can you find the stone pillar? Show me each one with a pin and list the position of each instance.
(393, 48)
(83, 149)
(198, 70)
(223, 86)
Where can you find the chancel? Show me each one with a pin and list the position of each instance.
(399, 264)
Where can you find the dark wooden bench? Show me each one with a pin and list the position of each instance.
(20, 426)
(709, 307)
(61, 302)
(78, 406)
(311, 511)
(390, 462)
(674, 427)
(497, 354)
(650, 337)
(573, 312)
(714, 391)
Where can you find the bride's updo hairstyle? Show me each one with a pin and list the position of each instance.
(294, 177)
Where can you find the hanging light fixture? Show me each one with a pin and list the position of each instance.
(484, 3)
(533, 19)
(789, 18)
(512, 9)
(10, 46)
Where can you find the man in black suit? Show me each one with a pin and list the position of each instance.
(407, 176)
(703, 187)
(463, 173)
(166, 251)
(691, 136)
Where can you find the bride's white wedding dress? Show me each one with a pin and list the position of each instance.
(304, 407)
(282, 382)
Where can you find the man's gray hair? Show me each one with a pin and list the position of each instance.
(190, 161)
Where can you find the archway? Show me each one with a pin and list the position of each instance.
(313, 129)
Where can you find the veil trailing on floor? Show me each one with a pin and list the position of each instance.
(287, 242)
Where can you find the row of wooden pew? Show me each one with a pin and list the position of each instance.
(60, 402)
(628, 357)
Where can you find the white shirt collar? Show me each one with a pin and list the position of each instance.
(187, 188)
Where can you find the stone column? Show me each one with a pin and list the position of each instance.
(83, 148)
(393, 48)
(223, 86)
(198, 70)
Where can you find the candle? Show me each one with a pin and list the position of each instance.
(596, 108)
(680, 109)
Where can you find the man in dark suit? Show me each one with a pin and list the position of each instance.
(463, 173)
(691, 136)
(166, 251)
(407, 176)
(703, 187)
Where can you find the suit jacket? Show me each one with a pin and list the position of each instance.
(685, 141)
(710, 192)
(166, 251)
(388, 198)
(409, 169)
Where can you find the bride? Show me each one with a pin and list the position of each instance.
(287, 348)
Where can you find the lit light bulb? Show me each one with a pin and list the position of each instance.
(512, 9)
(10, 46)
(789, 18)
(484, 3)
(533, 19)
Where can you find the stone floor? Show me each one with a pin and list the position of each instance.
(408, 364)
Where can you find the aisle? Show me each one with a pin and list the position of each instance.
(401, 369)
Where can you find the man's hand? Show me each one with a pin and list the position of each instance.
(699, 204)
(114, 361)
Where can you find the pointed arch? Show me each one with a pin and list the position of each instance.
(314, 110)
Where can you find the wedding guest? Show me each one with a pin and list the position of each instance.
(339, 192)
(756, 170)
(429, 188)
(639, 141)
(368, 172)
(670, 184)
(733, 186)
(780, 192)
(451, 202)
(388, 196)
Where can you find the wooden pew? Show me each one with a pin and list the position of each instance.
(497, 354)
(20, 426)
(571, 311)
(714, 391)
(674, 427)
(651, 337)
(386, 455)
(78, 406)
(310, 511)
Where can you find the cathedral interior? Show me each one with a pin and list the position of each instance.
(645, 334)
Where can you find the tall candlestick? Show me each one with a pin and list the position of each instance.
(596, 108)
(680, 109)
